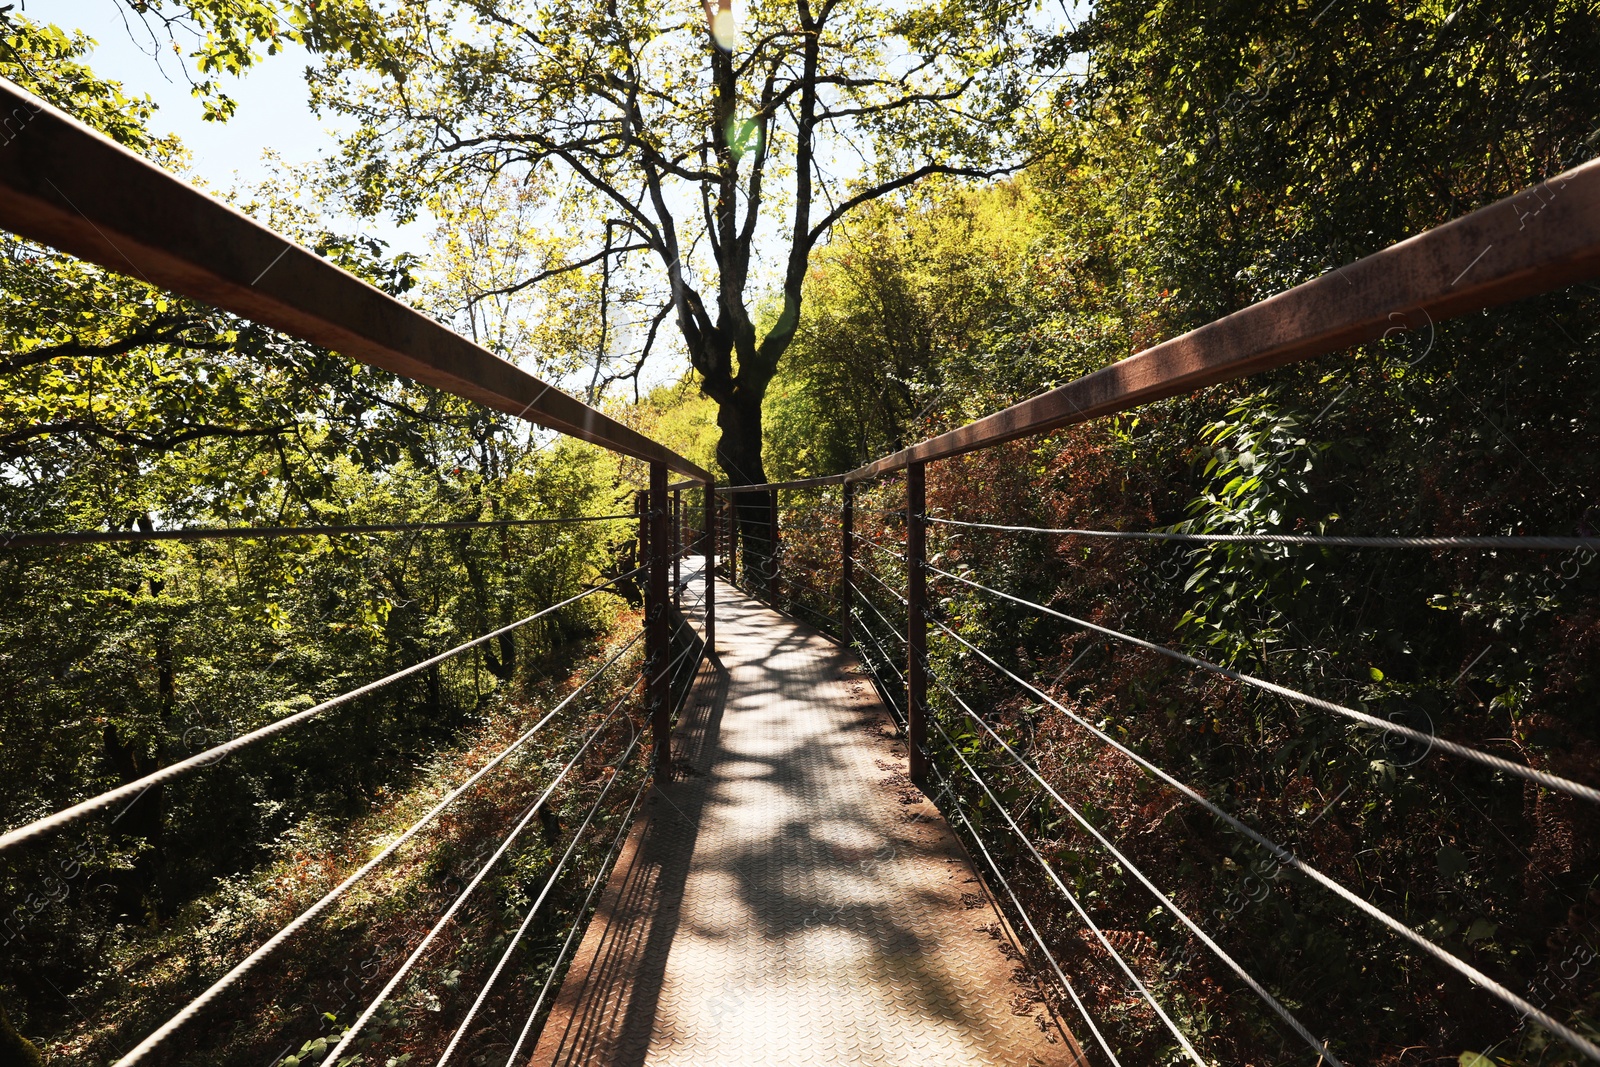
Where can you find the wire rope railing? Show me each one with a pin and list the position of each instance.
(885, 549)
(1518, 543)
(272, 944)
(1077, 906)
(64, 186)
(888, 626)
(533, 909)
(1278, 852)
(894, 696)
(394, 981)
(211, 755)
(30, 539)
(1532, 774)
(1319, 1046)
(603, 869)
(532, 811)
(886, 587)
(945, 788)
(1474, 263)
(946, 591)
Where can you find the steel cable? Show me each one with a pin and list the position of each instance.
(867, 629)
(244, 966)
(884, 548)
(483, 872)
(533, 910)
(887, 587)
(671, 667)
(808, 527)
(1245, 976)
(1287, 858)
(1027, 919)
(1105, 943)
(211, 755)
(1542, 544)
(887, 661)
(577, 923)
(899, 635)
(1544, 778)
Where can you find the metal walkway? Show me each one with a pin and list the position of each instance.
(792, 898)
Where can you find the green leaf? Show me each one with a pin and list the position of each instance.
(1452, 864)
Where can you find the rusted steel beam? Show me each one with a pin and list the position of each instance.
(1542, 239)
(64, 185)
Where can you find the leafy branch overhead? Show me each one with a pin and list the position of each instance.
(704, 162)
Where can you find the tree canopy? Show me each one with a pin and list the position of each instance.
(683, 145)
(865, 224)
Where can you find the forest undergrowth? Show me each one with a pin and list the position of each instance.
(319, 981)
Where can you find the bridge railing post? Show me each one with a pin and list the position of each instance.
(709, 539)
(916, 622)
(657, 654)
(847, 547)
(677, 547)
(772, 544)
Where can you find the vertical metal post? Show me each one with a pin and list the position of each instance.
(772, 544)
(657, 654)
(847, 548)
(710, 538)
(916, 623)
(677, 547)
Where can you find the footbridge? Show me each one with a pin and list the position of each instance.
(841, 846)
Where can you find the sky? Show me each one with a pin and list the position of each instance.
(272, 96)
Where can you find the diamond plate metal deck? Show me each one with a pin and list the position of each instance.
(793, 899)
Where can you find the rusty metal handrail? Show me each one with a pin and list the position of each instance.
(67, 186)
(1540, 239)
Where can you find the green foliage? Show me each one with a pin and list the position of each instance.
(918, 308)
(1257, 480)
(679, 156)
(1208, 156)
(1281, 140)
(47, 61)
(1211, 157)
(122, 407)
(678, 416)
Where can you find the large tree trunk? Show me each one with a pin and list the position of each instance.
(739, 452)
